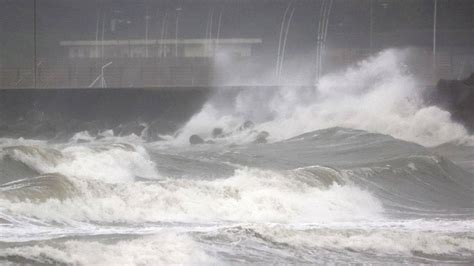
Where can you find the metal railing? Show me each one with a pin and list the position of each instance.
(87, 73)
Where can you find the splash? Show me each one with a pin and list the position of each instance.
(378, 94)
(159, 249)
(251, 195)
(111, 163)
(395, 241)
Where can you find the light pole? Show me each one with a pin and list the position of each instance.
(285, 38)
(325, 13)
(147, 18)
(164, 29)
(218, 34)
(371, 27)
(435, 15)
(176, 31)
(283, 21)
(34, 45)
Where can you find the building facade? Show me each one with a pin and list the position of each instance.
(187, 48)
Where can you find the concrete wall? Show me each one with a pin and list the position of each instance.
(51, 113)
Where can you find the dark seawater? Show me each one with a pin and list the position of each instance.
(333, 195)
(360, 172)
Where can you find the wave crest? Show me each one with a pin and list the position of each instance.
(249, 195)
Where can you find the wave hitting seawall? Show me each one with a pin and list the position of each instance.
(355, 172)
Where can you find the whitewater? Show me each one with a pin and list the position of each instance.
(361, 170)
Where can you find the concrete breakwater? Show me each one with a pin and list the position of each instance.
(457, 97)
(58, 113)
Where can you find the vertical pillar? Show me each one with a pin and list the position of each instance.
(435, 14)
(371, 27)
(34, 44)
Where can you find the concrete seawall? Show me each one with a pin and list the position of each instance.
(50, 113)
(457, 97)
(59, 113)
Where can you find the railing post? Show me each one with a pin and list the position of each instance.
(38, 82)
(69, 75)
(18, 75)
(120, 70)
(91, 73)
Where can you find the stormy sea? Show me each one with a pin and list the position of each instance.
(361, 170)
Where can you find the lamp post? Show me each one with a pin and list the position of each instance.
(147, 18)
(371, 27)
(164, 29)
(176, 31)
(218, 34)
(34, 45)
(435, 18)
(325, 13)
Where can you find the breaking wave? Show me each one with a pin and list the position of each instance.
(340, 179)
(115, 162)
(163, 248)
(250, 195)
(119, 183)
(392, 239)
(378, 95)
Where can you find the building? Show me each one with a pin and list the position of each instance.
(187, 48)
(141, 63)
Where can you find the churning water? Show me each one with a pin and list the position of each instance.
(359, 171)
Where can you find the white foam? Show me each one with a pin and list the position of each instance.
(377, 241)
(377, 95)
(160, 249)
(7, 142)
(82, 136)
(113, 164)
(250, 195)
(105, 162)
